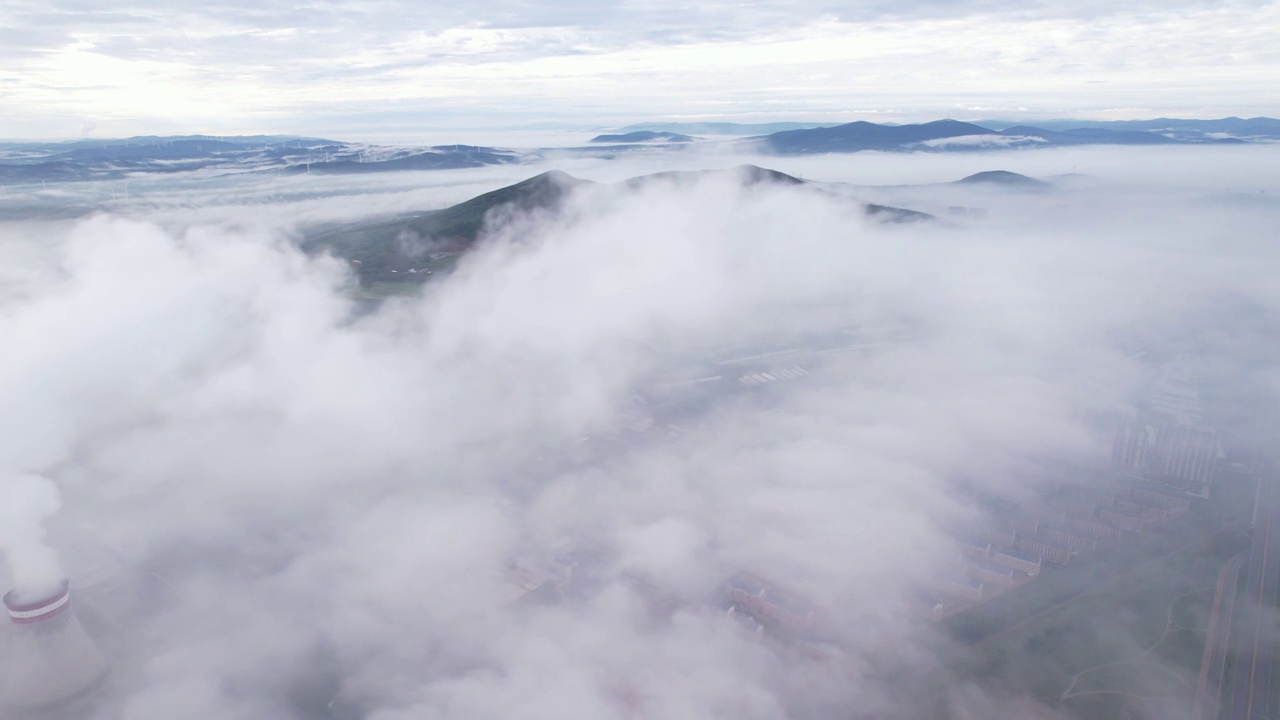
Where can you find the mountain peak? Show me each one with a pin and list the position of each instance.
(1003, 177)
(950, 123)
(862, 135)
(753, 174)
(555, 176)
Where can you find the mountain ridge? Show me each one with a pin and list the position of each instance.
(1005, 178)
(862, 135)
(87, 160)
(643, 136)
(424, 243)
(723, 128)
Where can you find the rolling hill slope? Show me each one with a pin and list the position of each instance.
(863, 135)
(934, 136)
(414, 246)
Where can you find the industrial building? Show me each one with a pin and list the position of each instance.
(1175, 395)
(1180, 455)
(1016, 559)
(975, 548)
(1091, 527)
(1045, 548)
(1151, 512)
(1075, 518)
(1068, 538)
(1071, 509)
(931, 604)
(1124, 519)
(996, 535)
(1185, 456)
(1018, 522)
(1130, 446)
(993, 574)
(744, 621)
(961, 585)
(770, 604)
(1160, 497)
(52, 659)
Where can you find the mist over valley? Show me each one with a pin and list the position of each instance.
(632, 361)
(620, 442)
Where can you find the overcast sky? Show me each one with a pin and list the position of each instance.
(71, 68)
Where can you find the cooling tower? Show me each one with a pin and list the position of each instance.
(51, 658)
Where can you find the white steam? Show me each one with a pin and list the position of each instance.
(26, 500)
(335, 503)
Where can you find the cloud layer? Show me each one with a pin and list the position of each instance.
(393, 69)
(334, 500)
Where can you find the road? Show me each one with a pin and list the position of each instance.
(1213, 665)
(1252, 696)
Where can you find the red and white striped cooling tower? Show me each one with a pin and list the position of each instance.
(51, 658)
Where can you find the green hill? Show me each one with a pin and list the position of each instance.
(423, 240)
(413, 247)
(1006, 178)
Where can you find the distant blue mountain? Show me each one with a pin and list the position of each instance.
(32, 162)
(863, 135)
(114, 159)
(440, 157)
(1090, 136)
(642, 136)
(942, 135)
(1004, 178)
(724, 128)
(56, 145)
(1258, 128)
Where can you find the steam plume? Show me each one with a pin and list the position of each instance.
(26, 500)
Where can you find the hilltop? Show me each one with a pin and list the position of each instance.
(863, 135)
(747, 175)
(416, 245)
(401, 243)
(1005, 178)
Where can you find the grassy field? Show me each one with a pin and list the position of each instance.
(1121, 632)
(383, 289)
(1136, 644)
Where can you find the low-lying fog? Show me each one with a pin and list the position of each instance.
(310, 514)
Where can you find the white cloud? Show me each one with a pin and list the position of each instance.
(983, 141)
(341, 68)
(335, 499)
